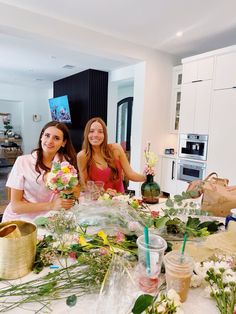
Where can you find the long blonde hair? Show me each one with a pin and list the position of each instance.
(106, 150)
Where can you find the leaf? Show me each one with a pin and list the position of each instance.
(161, 222)
(193, 222)
(71, 300)
(142, 302)
(212, 226)
(169, 202)
(41, 221)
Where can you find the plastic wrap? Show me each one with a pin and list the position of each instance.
(101, 215)
(119, 290)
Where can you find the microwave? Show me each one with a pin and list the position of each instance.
(189, 170)
(193, 146)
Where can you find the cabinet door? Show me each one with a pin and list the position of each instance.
(181, 186)
(175, 110)
(222, 148)
(225, 75)
(202, 107)
(198, 70)
(168, 175)
(175, 99)
(187, 110)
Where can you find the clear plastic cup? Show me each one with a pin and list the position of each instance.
(100, 186)
(179, 269)
(150, 258)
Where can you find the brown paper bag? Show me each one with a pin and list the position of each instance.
(216, 199)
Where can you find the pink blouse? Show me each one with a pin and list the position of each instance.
(23, 177)
(97, 174)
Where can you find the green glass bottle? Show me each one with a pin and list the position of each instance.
(150, 190)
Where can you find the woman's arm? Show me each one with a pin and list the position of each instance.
(82, 166)
(20, 205)
(129, 172)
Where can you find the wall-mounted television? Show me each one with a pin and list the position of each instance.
(59, 109)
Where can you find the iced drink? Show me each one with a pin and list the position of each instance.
(179, 269)
(150, 258)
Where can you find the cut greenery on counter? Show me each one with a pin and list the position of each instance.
(194, 227)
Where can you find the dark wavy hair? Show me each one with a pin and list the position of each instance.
(106, 151)
(68, 152)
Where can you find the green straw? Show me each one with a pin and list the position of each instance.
(147, 253)
(183, 246)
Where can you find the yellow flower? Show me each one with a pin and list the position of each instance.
(103, 235)
(65, 169)
(83, 242)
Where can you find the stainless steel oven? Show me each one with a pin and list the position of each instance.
(190, 170)
(193, 146)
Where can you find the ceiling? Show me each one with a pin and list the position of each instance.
(206, 25)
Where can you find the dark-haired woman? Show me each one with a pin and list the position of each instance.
(29, 195)
(100, 161)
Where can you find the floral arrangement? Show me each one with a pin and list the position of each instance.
(150, 160)
(168, 303)
(219, 278)
(62, 177)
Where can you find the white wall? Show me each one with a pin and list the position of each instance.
(125, 91)
(30, 101)
(151, 106)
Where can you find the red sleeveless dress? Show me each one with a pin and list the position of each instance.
(97, 174)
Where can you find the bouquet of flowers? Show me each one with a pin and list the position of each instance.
(62, 177)
(150, 160)
(219, 277)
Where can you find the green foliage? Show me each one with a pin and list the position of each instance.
(142, 302)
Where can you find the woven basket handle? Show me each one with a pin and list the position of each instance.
(210, 175)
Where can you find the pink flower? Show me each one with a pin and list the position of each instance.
(133, 225)
(154, 214)
(120, 237)
(103, 251)
(72, 255)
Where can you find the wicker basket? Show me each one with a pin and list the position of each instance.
(17, 254)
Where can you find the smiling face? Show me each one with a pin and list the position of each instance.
(52, 140)
(96, 134)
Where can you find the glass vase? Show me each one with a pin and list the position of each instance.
(150, 190)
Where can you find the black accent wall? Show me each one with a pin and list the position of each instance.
(87, 94)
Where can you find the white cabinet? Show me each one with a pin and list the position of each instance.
(222, 148)
(169, 182)
(176, 99)
(195, 107)
(198, 70)
(225, 74)
(168, 175)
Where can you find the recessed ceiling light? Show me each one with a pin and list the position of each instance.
(39, 79)
(179, 34)
(68, 66)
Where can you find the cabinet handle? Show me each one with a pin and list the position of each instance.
(197, 81)
(234, 87)
(172, 170)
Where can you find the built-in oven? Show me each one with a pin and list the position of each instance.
(188, 170)
(193, 146)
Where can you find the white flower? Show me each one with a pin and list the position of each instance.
(173, 295)
(196, 280)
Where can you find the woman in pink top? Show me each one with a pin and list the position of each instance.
(99, 161)
(29, 195)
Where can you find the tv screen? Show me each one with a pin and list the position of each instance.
(59, 108)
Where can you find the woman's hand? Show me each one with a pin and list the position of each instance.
(59, 203)
(111, 192)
